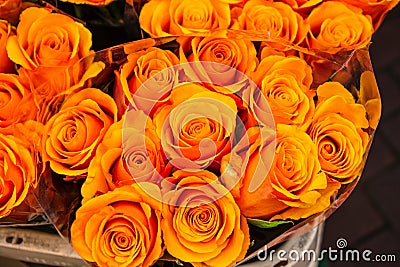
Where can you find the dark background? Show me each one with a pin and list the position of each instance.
(370, 217)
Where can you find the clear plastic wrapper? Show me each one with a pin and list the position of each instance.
(60, 195)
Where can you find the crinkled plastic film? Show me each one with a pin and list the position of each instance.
(60, 199)
(24, 134)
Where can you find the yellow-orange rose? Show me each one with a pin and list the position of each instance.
(285, 82)
(90, 2)
(377, 9)
(234, 164)
(120, 228)
(294, 188)
(72, 135)
(48, 39)
(139, 68)
(233, 2)
(201, 222)
(49, 93)
(196, 126)
(267, 50)
(16, 101)
(17, 173)
(45, 45)
(129, 153)
(276, 20)
(177, 17)
(335, 26)
(47, 82)
(239, 55)
(6, 30)
(370, 98)
(336, 129)
(10, 9)
(302, 4)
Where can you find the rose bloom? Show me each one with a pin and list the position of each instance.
(49, 94)
(177, 17)
(337, 131)
(201, 222)
(10, 9)
(72, 135)
(335, 26)
(370, 98)
(234, 164)
(233, 2)
(129, 153)
(48, 39)
(239, 55)
(285, 82)
(139, 68)
(17, 104)
(377, 9)
(90, 2)
(47, 83)
(294, 187)
(6, 30)
(196, 126)
(302, 4)
(17, 172)
(120, 228)
(275, 19)
(46, 44)
(266, 50)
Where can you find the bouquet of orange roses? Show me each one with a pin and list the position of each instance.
(237, 124)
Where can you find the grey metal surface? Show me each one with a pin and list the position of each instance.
(37, 247)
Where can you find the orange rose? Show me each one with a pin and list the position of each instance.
(6, 30)
(294, 187)
(120, 228)
(17, 173)
(302, 4)
(140, 67)
(126, 155)
(73, 134)
(196, 126)
(16, 103)
(267, 50)
(233, 2)
(48, 39)
(177, 17)
(10, 9)
(337, 131)
(257, 139)
(48, 82)
(370, 98)
(285, 82)
(90, 2)
(47, 44)
(278, 20)
(237, 54)
(201, 222)
(334, 26)
(377, 9)
(50, 93)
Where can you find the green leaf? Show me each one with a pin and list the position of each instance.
(266, 224)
